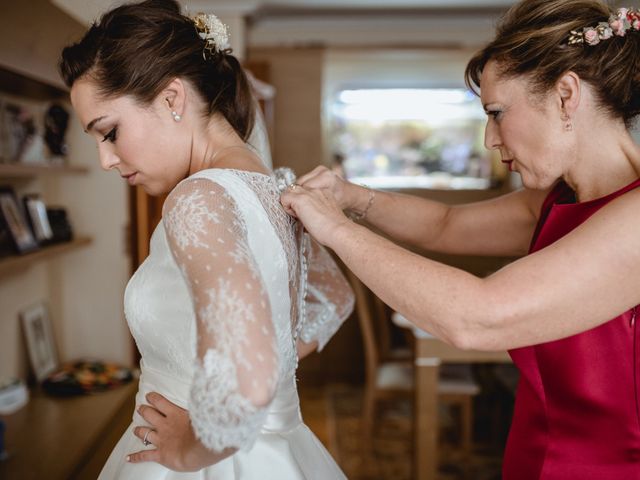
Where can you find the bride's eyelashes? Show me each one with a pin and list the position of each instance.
(111, 136)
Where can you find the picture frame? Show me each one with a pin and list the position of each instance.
(39, 340)
(37, 213)
(12, 219)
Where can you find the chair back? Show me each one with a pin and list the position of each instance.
(365, 311)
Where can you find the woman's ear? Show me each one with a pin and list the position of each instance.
(174, 98)
(568, 93)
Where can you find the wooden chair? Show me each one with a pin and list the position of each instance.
(392, 378)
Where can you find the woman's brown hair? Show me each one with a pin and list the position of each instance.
(531, 40)
(137, 49)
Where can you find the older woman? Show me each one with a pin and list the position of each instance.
(560, 85)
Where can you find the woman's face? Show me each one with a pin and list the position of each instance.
(528, 130)
(144, 144)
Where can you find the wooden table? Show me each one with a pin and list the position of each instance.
(429, 354)
(65, 438)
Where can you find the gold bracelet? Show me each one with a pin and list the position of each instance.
(363, 214)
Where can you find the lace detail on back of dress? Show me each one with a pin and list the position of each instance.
(321, 297)
(268, 194)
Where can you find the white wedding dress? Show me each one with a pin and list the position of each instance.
(215, 310)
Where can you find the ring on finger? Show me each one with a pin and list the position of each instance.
(293, 186)
(146, 442)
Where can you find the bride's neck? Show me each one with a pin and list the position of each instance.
(209, 144)
(219, 146)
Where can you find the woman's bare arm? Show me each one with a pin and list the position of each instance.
(502, 226)
(579, 282)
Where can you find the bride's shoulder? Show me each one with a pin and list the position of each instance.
(236, 186)
(228, 177)
(220, 179)
(200, 192)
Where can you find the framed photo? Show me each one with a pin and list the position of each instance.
(39, 339)
(37, 213)
(12, 219)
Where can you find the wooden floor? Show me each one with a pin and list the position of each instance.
(333, 411)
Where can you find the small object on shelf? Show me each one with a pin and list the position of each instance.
(13, 221)
(85, 377)
(7, 247)
(3, 453)
(37, 213)
(60, 226)
(56, 121)
(39, 339)
(13, 396)
(16, 130)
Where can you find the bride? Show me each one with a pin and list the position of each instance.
(233, 292)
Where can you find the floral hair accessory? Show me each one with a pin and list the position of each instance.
(626, 19)
(213, 32)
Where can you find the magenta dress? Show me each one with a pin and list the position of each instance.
(576, 413)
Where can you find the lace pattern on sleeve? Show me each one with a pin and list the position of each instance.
(329, 298)
(236, 366)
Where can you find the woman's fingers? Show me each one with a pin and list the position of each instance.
(286, 199)
(147, 435)
(294, 195)
(313, 173)
(316, 208)
(322, 179)
(151, 415)
(161, 404)
(144, 456)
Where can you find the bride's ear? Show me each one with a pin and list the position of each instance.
(174, 98)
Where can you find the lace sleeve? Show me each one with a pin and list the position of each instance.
(236, 366)
(329, 299)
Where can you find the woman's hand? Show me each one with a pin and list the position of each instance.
(317, 209)
(177, 447)
(347, 195)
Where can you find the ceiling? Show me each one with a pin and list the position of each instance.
(341, 23)
(87, 10)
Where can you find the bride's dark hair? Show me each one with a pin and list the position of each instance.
(137, 49)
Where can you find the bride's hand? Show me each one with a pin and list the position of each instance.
(317, 209)
(170, 432)
(347, 195)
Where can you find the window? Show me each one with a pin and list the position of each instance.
(411, 138)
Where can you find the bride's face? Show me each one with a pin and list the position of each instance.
(143, 143)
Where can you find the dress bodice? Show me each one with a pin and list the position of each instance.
(215, 309)
(576, 412)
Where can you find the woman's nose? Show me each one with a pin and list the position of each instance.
(492, 139)
(108, 160)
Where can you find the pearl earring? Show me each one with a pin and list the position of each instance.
(176, 117)
(568, 126)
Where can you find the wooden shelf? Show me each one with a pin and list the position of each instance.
(73, 436)
(16, 170)
(10, 264)
(22, 85)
